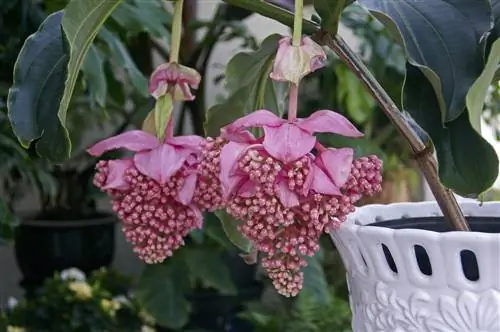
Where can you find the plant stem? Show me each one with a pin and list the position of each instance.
(176, 31)
(297, 22)
(293, 99)
(424, 155)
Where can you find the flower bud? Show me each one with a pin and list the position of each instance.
(175, 79)
(294, 62)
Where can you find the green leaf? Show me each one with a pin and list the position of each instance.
(119, 53)
(143, 16)
(362, 146)
(213, 229)
(160, 293)
(94, 75)
(445, 47)
(467, 163)
(247, 77)
(329, 11)
(478, 91)
(315, 281)
(230, 226)
(208, 266)
(39, 75)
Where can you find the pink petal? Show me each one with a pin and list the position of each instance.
(309, 178)
(287, 197)
(161, 163)
(316, 53)
(236, 131)
(229, 156)
(337, 164)
(287, 142)
(192, 142)
(116, 175)
(135, 140)
(327, 121)
(247, 189)
(186, 193)
(322, 184)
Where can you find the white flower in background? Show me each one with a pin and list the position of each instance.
(73, 274)
(82, 290)
(12, 302)
(121, 299)
(146, 328)
(11, 328)
(146, 317)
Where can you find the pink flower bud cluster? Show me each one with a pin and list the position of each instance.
(286, 235)
(154, 222)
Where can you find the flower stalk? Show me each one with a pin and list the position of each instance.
(176, 31)
(425, 158)
(297, 22)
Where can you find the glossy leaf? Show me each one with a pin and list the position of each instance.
(478, 92)
(38, 86)
(445, 47)
(247, 77)
(329, 11)
(159, 291)
(208, 266)
(94, 75)
(467, 163)
(230, 226)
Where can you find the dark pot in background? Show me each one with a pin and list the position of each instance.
(43, 247)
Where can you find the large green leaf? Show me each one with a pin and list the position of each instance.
(445, 46)
(38, 85)
(208, 266)
(230, 226)
(329, 11)
(315, 281)
(94, 76)
(467, 163)
(247, 77)
(161, 293)
(479, 90)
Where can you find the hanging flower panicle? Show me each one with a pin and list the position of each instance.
(286, 195)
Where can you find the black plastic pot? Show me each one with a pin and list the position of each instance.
(438, 224)
(43, 247)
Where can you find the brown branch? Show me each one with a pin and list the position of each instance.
(424, 155)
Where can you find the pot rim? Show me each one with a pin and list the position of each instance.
(105, 218)
(364, 216)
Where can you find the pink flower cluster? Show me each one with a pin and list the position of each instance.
(285, 186)
(289, 190)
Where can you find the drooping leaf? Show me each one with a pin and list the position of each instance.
(445, 46)
(230, 226)
(39, 76)
(329, 11)
(208, 266)
(478, 92)
(315, 281)
(247, 77)
(161, 293)
(119, 53)
(143, 16)
(467, 163)
(94, 75)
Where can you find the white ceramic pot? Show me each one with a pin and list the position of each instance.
(415, 299)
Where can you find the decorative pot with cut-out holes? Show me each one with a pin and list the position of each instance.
(408, 273)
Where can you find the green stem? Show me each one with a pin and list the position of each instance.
(297, 22)
(293, 100)
(176, 31)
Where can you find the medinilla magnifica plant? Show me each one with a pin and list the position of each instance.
(262, 164)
